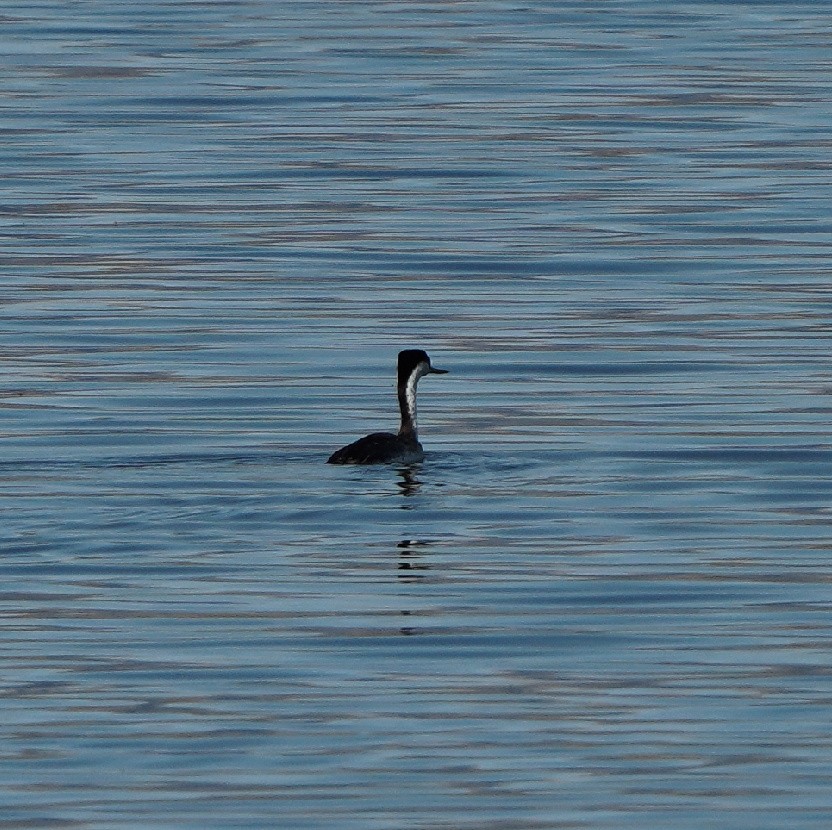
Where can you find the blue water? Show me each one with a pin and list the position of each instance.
(602, 602)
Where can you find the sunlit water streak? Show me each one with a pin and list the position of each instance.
(602, 601)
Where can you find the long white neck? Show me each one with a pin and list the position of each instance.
(407, 400)
(410, 397)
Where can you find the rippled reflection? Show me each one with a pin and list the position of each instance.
(412, 562)
(408, 484)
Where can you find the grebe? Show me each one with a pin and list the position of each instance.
(384, 447)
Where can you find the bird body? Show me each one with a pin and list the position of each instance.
(378, 448)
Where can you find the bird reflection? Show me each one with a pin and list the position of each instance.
(409, 485)
(408, 630)
(409, 566)
(410, 563)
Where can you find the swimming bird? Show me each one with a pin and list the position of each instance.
(385, 447)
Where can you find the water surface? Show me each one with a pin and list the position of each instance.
(601, 601)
